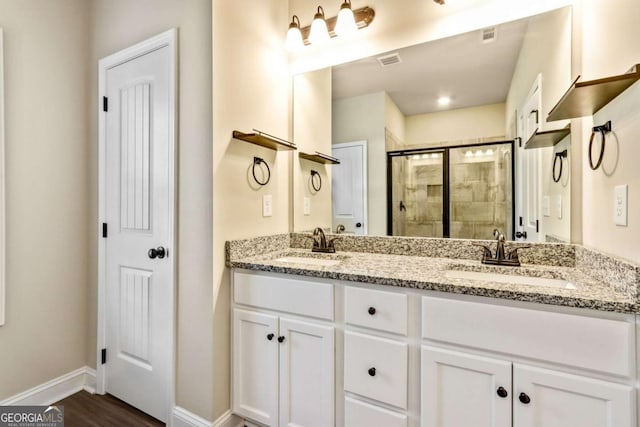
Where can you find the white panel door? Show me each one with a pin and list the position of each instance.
(545, 398)
(461, 389)
(349, 187)
(139, 213)
(255, 366)
(528, 173)
(306, 374)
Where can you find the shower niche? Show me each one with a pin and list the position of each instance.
(460, 192)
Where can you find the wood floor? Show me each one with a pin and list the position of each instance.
(92, 410)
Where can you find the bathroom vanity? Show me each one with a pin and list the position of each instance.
(381, 339)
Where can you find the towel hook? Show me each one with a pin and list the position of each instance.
(560, 155)
(603, 129)
(313, 180)
(258, 161)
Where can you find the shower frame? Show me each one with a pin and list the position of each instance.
(446, 196)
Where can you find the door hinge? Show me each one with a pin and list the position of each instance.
(104, 230)
(103, 356)
(105, 103)
(537, 226)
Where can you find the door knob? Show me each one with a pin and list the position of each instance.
(521, 234)
(358, 224)
(281, 339)
(270, 337)
(502, 392)
(158, 252)
(372, 372)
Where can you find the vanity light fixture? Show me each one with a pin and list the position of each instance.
(346, 22)
(322, 29)
(319, 33)
(439, 1)
(294, 36)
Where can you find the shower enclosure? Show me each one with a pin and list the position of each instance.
(460, 192)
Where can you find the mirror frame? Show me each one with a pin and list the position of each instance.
(2, 187)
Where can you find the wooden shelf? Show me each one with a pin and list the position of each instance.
(586, 98)
(547, 138)
(264, 140)
(319, 158)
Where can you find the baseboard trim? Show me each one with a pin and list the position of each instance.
(184, 418)
(57, 389)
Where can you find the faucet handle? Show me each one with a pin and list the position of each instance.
(486, 251)
(513, 253)
(313, 237)
(330, 242)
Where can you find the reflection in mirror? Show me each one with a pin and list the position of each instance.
(2, 180)
(432, 137)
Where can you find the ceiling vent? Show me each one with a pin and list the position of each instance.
(489, 35)
(388, 60)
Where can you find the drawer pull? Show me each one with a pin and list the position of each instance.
(372, 372)
(524, 398)
(372, 310)
(270, 337)
(281, 339)
(502, 392)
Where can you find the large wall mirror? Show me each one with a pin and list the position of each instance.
(431, 138)
(2, 181)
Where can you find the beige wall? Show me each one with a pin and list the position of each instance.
(362, 118)
(394, 120)
(251, 89)
(485, 121)
(610, 46)
(311, 133)
(47, 191)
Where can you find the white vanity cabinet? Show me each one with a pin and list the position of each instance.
(283, 365)
(488, 388)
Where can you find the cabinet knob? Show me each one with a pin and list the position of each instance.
(270, 337)
(372, 372)
(524, 398)
(372, 310)
(281, 339)
(502, 392)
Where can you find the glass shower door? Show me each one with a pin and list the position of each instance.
(481, 194)
(417, 194)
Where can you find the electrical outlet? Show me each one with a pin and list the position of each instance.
(559, 207)
(546, 206)
(620, 194)
(307, 206)
(267, 205)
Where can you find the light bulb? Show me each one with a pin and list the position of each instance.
(319, 33)
(489, 152)
(416, 157)
(294, 36)
(478, 153)
(425, 156)
(346, 23)
(444, 101)
(468, 154)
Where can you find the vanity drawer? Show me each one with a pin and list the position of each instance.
(358, 414)
(376, 368)
(297, 296)
(384, 311)
(603, 345)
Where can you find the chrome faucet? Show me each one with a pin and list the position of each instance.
(320, 243)
(501, 258)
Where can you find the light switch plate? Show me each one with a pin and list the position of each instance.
(267, 205)
(620, 194)
(546, 206)
(559, 207)
(307, 206)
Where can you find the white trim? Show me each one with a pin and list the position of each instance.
(183, 418)
(365, 177)
(57, 389)
(2, 188)
(167, 39)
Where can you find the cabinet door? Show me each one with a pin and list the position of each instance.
(461, 389)
(306, 374)
(556, 399)
(255, 366)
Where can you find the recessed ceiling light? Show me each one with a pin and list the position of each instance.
(444, 100)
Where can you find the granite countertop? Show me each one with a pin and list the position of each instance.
(430, 273)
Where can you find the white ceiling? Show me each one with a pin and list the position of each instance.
(464, 68)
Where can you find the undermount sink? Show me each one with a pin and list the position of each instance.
(510, 279)
(320, 262)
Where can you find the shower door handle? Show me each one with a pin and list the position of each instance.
(403, 207)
